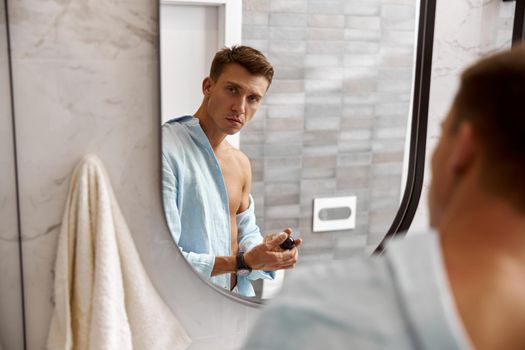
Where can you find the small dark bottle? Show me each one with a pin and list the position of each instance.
(288, 244)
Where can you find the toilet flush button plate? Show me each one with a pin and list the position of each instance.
(334, 214)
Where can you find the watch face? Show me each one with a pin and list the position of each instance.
(243, 272)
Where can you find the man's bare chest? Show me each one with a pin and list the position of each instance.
(234, 181)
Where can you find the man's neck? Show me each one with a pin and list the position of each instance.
(483, 240)
(214, 135)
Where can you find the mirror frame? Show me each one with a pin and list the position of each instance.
(518, 30)
(418, 134)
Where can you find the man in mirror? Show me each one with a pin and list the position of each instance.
(207, 182)
(458, 286)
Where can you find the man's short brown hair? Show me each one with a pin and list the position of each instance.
(492, 98)
(248, 57)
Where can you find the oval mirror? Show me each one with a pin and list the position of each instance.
(321, 147)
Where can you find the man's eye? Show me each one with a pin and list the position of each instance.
(253, 99)
(232, 89)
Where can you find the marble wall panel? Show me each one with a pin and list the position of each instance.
(473, 29)
(11, 311)
(86, 81)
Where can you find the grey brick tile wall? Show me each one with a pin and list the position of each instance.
(334, 121)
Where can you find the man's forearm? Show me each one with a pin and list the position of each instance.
(224, 264)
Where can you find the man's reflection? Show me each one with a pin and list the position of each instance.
(207, 182)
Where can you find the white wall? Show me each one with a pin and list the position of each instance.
(86, 80)
(465, 30)
(189, 38)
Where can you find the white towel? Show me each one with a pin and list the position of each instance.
(103, 296)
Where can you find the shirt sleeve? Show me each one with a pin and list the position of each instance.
(202, 263)
(249, 236)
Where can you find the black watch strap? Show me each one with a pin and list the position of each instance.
(241, 264)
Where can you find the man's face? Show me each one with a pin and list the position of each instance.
(234, 97)
(442, 184)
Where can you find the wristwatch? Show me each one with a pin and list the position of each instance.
(243, 269)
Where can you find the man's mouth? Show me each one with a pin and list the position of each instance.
(235, 120)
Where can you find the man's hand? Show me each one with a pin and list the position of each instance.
(270, 256)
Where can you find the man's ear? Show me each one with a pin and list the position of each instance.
(465, 148)
(207, 84)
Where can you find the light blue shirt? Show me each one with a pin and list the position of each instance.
(400, 300)
(196, 203)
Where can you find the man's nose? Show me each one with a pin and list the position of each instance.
(239, 105)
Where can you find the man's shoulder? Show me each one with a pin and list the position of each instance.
(179, 124)
(365, 282)
(369, 302)
(339, 302)
(180, 120)
(358, 300)
(354, 272)
(179, 131)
